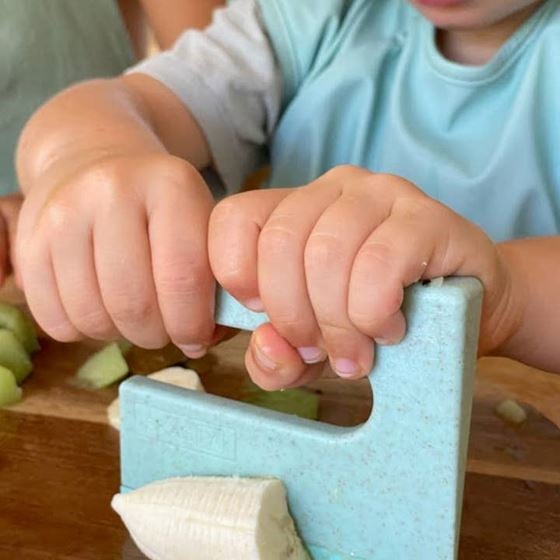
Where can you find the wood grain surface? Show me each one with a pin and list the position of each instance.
(59, 458)
(57, 476)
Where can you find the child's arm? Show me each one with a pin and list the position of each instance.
(534, 265)
(113, 231)
(112, 236)
(169, 18)
(329, 262)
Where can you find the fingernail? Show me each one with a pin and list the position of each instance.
(263, 359)
(311, 354)
(255, 304)
(384, 341)
(388, 340)
(346, 368)
(193, 350)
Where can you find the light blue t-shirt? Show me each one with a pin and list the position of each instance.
(362, 82)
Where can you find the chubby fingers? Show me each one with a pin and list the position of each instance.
(73, 262)
(38, 278)
(330, 252)
(293, 250)
(178, 226)
(134, 263)
(420, 238)
(256, 244)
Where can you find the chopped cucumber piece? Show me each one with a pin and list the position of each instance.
(291, 401)
(15, 320)
(10, 393)
(125, 346)
(13, 355)
(103, 368)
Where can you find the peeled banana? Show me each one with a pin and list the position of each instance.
(178, 376)
(199, 518)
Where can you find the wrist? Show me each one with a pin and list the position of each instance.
(504, 309)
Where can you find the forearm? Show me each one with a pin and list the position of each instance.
(169, 18)
(97, 119)
(535, 271)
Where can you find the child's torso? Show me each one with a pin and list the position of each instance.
(377, 93)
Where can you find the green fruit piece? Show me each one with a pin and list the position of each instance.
(15, 320)
(103, 368)
(291, 401)
(10, 393)
(125, 346)
(13, 355)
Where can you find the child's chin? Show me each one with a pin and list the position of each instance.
(454, 17)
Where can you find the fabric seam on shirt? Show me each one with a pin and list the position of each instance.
(514, 56)
(291, 66)
(200, 111)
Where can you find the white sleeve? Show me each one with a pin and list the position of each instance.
(229, 78)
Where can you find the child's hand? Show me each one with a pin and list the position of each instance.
(118, 247)
(329, 262)
(10, 206)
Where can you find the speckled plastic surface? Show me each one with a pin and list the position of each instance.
(390, 489)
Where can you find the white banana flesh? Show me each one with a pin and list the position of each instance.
(210, 518)
(178, 376)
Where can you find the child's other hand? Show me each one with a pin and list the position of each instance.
(329, 262)
(118, 247)
(10, 207)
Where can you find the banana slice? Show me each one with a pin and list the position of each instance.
(178, 376)
(211, 518)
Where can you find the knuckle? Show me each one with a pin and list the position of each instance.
(59, 217)
(105, 177)
(175, 170)
(236, 280)
(368, 317)
(296, 330)
(179, 179)
(345, 171)
(400, 184)
(193, 330)
(277, 238)
(322, 250)
(130, 309)
(420, 208)
(379, 254)
(189, 333)
(337, 335)
(95, 324)
(229, 209)
(183, 278)
(332, 328)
